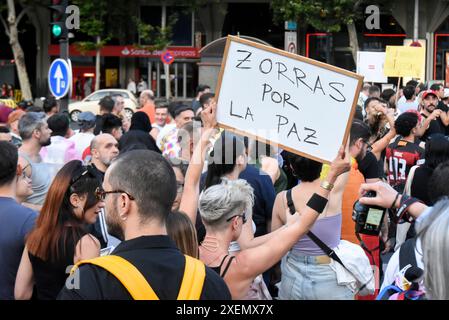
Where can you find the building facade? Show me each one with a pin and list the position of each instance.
(196, 47)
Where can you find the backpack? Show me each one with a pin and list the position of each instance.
(139, 288)
(406, 285)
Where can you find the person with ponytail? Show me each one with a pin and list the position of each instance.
(227, 160)
(306, 268)
(60, 238)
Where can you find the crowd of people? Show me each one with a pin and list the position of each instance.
(126, 208)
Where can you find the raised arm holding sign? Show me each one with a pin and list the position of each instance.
(300, 104)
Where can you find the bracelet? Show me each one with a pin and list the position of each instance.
(395, 199)
(317, 203)
(326, 185)
(402, 213)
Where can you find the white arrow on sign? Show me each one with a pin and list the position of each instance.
(58, 76)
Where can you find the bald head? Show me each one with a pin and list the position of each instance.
(104, 149)
(146, 96)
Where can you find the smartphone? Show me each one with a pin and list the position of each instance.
(373, 221)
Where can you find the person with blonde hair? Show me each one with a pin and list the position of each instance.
(226, 207)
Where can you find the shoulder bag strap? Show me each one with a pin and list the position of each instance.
(193, 280)
(290, 204)
(407, 254)
(329, 252)
(129, 276)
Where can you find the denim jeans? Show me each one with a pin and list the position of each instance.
(304, 279)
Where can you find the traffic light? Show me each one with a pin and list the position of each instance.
(58, 18)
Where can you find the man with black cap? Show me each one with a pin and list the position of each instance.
(82, 139)
(169, 144)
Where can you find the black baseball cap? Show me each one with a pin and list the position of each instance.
(181, 108)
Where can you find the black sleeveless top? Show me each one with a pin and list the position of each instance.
(218, 269)
(50, 276)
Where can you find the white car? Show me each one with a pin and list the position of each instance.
(90, 103)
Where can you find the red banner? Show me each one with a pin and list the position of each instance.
(129, 51)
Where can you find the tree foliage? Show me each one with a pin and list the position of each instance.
(323, 15)
(157, 37)
(93, 17)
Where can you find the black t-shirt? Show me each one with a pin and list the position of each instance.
(50, 276)
(368, 166)
(95, 229)
(436, 126)
(98, 124)
(444, 108)
(420, 184)
(159, 261)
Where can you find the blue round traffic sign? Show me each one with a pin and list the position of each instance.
(167, 57)
(59, 78)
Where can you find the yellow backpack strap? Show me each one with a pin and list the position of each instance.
(193, 281)
(131, 278)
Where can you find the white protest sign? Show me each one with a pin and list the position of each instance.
(371, 66)
(301, 105)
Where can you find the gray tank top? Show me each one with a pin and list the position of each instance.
(328, 229)
(41, 177)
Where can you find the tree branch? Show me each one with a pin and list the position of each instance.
(20, 16)
(357, 5)
(4, 25)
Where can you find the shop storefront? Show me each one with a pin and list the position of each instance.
(119, 63)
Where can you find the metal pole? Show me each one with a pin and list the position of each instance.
(64, 54)
(158, 77)
(149, 75)
(176, 80)
(415, 23)
(167, 82)
(184, 80)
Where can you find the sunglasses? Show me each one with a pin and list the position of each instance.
(243, 216)
(369, 146)
(86, 170)
(100, 194)
(21, 172)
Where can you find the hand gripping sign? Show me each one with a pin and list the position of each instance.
(301, 105)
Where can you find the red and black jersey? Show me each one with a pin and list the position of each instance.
(401, 155)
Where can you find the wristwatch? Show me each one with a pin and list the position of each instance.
(327, 185)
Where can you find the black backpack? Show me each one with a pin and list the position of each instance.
(412, 275)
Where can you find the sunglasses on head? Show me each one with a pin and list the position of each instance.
(85, 170)
(20, 172)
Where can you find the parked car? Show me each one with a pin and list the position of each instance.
(90, 103)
